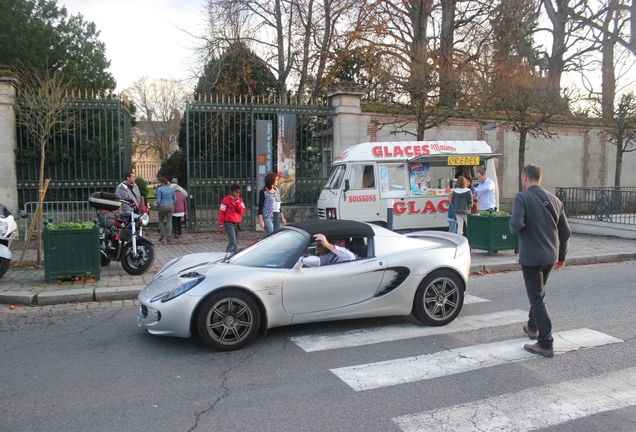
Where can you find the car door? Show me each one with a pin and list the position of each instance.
(313, 289)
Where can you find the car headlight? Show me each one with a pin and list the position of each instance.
(164, 297)
(331, 213)
(144, 219)
(4, 226)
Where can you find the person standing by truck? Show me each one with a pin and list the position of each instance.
(461, 199)
(485, 192)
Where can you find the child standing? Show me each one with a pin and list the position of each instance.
(230, 217)
(451, 217)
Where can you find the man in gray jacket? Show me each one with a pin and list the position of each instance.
(544, 233)
(129, 190)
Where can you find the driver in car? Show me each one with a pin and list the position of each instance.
(332, 251)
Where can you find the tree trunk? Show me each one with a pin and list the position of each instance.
(40, 200)
(559, 18)
(280, 45)
(619, 164)
(306, 40)
(447, 85)
(523, 136)
(609, 81)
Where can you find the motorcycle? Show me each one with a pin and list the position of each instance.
(8, 231)
(121, 233)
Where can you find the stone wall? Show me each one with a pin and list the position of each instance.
(8, 191)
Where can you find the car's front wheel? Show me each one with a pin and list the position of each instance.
(439, 298)
(228, 320)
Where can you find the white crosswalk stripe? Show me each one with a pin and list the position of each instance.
(418, 368)
(551, 405)
(470, 299)
(375, 335)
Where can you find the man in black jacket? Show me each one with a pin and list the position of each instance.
(544, 233)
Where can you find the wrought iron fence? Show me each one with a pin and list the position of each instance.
(90, 154)
(221, 151)
(607, 204)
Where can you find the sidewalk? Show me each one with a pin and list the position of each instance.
(26, 285)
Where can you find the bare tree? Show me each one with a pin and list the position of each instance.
(294, 37)
(621, 131)
(595, 11)
(572, 41)
(516, 85)
(160, 101)
(42, 108)
(464, 37)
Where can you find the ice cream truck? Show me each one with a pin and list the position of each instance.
(414, 177)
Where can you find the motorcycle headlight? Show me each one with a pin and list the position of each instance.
(4, 226)
(144, 219)
(164, 297)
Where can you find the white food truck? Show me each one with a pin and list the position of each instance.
(415, 176)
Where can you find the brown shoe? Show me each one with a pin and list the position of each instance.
(532, 335)
(536, 349)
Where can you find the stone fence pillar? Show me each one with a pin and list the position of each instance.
(8, 187)
(349, 125)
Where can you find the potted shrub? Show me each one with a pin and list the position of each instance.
(71, 249)
(490, 231)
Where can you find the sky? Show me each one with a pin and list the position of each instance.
(143, 37)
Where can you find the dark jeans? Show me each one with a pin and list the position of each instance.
(176, 224)
(535, 278)
(232, 230)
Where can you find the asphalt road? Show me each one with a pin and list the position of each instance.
(95, 370)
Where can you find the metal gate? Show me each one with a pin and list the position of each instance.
(90, 155)
(221, 151)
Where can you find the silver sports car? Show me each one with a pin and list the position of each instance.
(279, 281)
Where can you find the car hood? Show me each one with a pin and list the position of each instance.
(186, 268)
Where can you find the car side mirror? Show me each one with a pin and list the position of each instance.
(346, 185)
(311, 261)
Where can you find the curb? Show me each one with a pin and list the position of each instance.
(71, 296)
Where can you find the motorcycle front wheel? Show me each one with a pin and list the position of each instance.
(142, 262)
(4, 266)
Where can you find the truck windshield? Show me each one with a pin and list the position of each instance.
(336, 176)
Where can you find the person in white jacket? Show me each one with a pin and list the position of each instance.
(333, 250)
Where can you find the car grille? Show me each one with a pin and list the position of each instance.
(322, 213)
(144, 311)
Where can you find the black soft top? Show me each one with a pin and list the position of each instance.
(335, 228)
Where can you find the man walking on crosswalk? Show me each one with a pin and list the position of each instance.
(544, 233)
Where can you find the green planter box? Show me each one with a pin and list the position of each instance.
(491, 233)
(71, 252)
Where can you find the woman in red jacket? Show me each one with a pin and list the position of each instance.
(230, 216)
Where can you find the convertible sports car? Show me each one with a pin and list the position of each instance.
(279, 281)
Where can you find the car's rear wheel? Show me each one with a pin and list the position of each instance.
(228, 320)
(439, 298)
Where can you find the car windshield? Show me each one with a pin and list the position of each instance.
(336, 176)
(273, 251)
